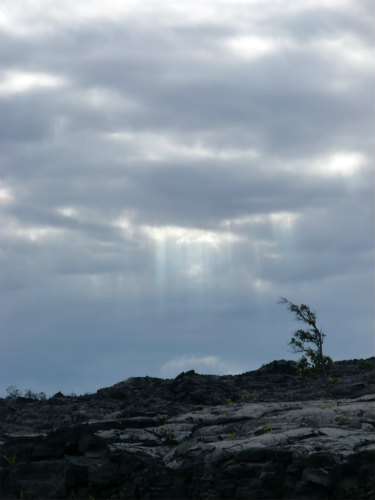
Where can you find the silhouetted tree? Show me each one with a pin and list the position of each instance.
(314, 361)
(13, 393)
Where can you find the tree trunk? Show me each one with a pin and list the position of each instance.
(321, 358)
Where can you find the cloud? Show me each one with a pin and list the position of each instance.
(212, 365)
(170, 170)
(15, 82)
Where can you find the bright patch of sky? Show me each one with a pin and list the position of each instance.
(16, 82)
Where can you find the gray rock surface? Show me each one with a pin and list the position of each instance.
(264, 434)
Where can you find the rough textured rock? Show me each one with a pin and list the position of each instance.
(264, 434)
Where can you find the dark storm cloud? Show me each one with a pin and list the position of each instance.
(167, 174)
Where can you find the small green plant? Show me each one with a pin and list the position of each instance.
(337, 417)
(11, 460)
(163, 418)
(294, 395)
(333, 380)
(327, 405)
(229, 401)
(168, 434)
(368, 428)
(91, 497)
(231, 435)
(248, 397)
(267, 428)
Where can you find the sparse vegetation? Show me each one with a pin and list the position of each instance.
(326, 404)
(267, 428)
(314, 362)
(11, 460)
(168, 434)
(248, 397)
(12, 392)
(333, 380)
(294, 395)
(29, 394)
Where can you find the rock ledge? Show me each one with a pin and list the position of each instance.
(263, 434)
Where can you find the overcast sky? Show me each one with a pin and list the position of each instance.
(169, 170)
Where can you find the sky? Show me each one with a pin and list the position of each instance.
(169, 170)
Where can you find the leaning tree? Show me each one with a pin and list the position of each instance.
(309, 341)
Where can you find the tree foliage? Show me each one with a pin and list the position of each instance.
(309, 342)
(13, 393)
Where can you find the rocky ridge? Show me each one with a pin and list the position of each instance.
(262, 434)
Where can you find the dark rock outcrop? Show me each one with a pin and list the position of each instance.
(264, 434)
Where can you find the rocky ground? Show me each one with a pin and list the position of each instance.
(265, 434)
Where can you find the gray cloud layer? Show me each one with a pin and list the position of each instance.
(168, 172)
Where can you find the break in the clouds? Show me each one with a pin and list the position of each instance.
(169, 169)
(205, 365)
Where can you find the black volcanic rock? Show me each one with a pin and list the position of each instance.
(262, 434)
